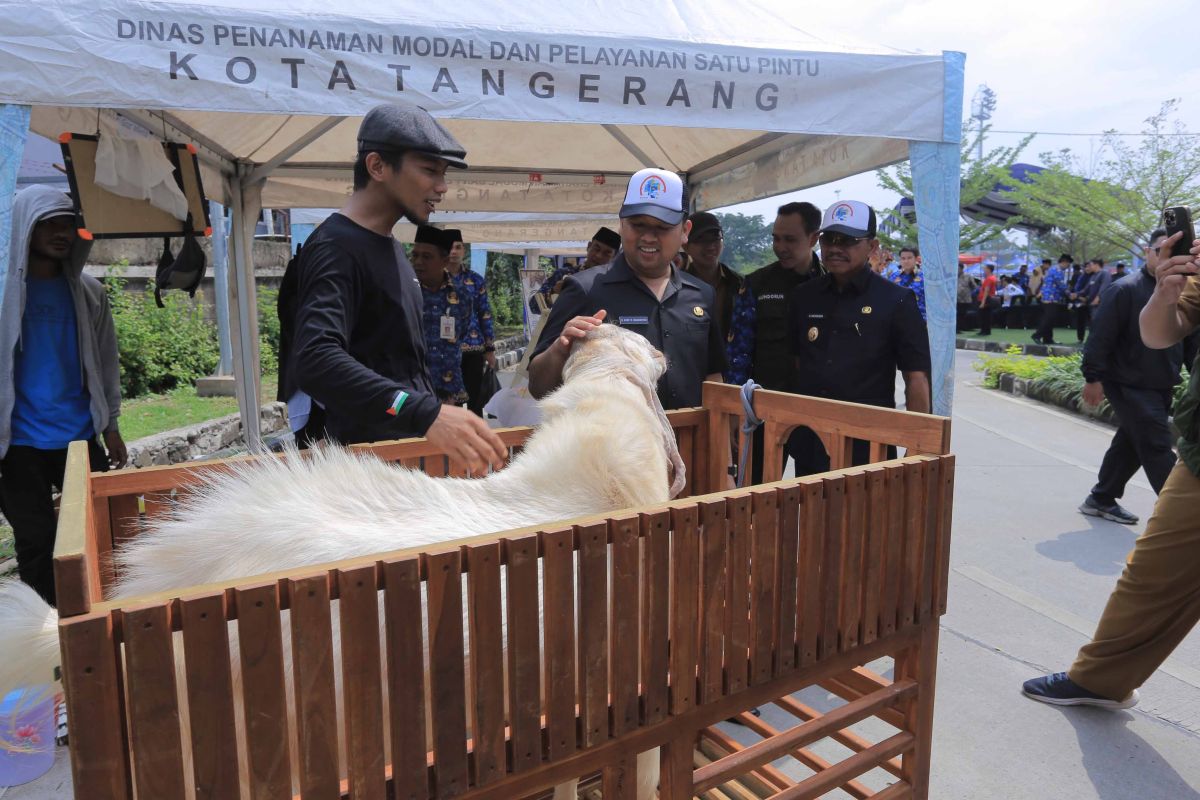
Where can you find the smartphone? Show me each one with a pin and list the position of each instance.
(1179, 218)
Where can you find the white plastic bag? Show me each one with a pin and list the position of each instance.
(514, 406)
(134, 165)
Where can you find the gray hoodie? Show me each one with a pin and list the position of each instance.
(94, 322)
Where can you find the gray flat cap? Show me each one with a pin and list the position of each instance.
(404, 126)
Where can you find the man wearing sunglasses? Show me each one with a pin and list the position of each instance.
(852, 329)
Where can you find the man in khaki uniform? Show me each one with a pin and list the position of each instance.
(1156, 602)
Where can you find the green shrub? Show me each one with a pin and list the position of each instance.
(1013, 363)
(268, 330)
(160, 348)
(1059, 377)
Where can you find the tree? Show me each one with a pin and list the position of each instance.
(980, 175)
(747, 241)
(1111, 207)
(504, 288)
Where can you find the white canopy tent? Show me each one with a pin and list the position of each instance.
(556, 104)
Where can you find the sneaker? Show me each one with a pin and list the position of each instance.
(1114, 512)
(1059, 690)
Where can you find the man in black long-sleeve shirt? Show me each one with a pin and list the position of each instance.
(357, 345)
(1138, 383)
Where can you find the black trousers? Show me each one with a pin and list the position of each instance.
(1143, 440)
(964, 310)
(1083, 317)
(28, 479)
(811, 458)
(472, 369)
(756, 453)
(985, 319)
(1045, 330)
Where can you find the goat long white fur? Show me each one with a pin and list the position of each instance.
(604, 444)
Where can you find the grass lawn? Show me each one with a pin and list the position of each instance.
(1063, 336)
(151, 414)
(6, 543)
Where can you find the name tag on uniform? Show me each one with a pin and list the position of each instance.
(447, 330)
(633, 320)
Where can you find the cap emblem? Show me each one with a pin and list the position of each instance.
(652, 187)
(842, 212)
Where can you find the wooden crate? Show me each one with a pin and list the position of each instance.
(658, 624)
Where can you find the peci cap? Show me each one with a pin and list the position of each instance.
(403, 126)
(453, 235)
(851, 218)
(654, 193)
(702, 223)
(607, 237)
(427, 234)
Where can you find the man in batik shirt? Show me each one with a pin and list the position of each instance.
(478, 340)
(444, 314)
(909, 277)
(600, 250)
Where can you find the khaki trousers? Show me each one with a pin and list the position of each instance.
(1157, 599)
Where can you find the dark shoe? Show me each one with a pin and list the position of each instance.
(1059, 690)
(1114, 512)
(1036, 339)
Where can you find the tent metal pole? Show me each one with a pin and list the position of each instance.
(629, 145)
(247, 202)
(937, 189)
(263, 170)
(935, 172)
(220, 250)
(14, 127)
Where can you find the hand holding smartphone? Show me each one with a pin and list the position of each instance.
(1178, 219)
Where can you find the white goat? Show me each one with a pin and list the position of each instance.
(604, 444)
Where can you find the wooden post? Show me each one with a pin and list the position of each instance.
(919, 663)
(76, 561)
(92, 679)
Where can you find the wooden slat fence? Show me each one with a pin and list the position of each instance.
(503, 726)
(500, 666)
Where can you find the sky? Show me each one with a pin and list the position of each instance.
(1055, 66)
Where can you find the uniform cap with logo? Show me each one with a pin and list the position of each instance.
(849, 218)
(406, 127)
(654, 193)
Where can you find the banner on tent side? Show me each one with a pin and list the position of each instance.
(789, 167)
(466, 193)
(529, 231)
(147, 55)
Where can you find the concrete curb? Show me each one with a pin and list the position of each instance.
(1037, 390)
(1031, 349)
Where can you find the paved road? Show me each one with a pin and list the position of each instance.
(1030, 576)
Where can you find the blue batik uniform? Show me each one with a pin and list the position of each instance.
(443, 340)
(739, 341)
(479, 335)
(1054, 286)
(915, 282)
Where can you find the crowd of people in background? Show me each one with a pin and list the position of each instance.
(1041, 299)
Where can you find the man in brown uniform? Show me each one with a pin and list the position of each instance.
(1156, 602)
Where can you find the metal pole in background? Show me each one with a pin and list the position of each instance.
(14, 127)
(220, 249)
